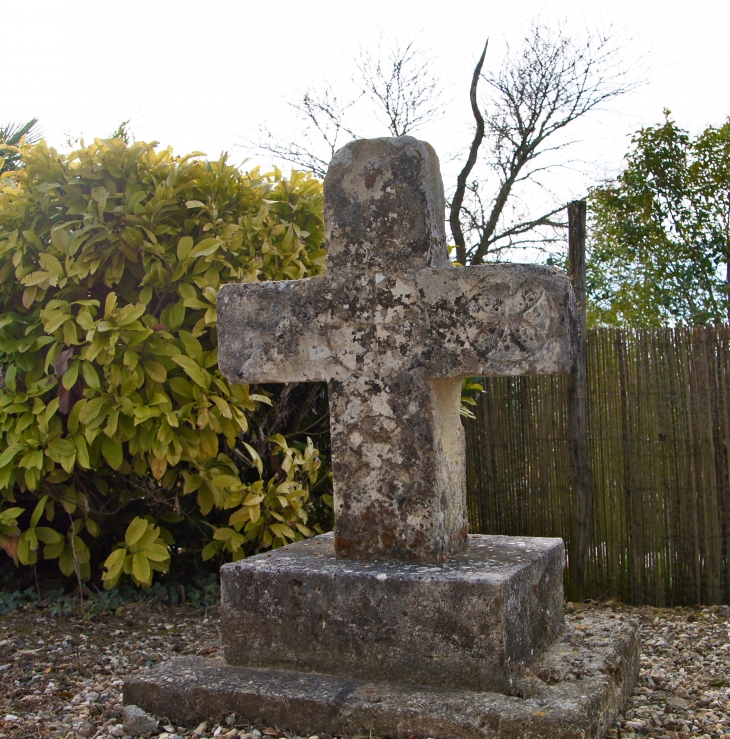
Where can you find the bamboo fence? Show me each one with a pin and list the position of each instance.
(659, 449)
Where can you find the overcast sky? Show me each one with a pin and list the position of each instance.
(205, 75)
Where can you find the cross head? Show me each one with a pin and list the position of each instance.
(393, 327)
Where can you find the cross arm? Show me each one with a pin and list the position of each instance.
(274, 331)
(498, 319)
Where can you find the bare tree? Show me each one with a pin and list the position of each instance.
(548, 84)
(551, 81)
(403, 93)
(323, 115)
(399, 82)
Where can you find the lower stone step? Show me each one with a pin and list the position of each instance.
(575, 689)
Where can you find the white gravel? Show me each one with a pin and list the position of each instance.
(63, 677)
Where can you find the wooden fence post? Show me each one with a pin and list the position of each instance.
(581, 529)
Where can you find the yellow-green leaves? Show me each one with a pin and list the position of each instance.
(470, 390)
(144, 552)
(29, 540)
(114, 566)
(9, 531)
(275, 513)
(111, 259)
(193, 370)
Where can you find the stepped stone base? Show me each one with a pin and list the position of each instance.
(573, 690)
(469, 622)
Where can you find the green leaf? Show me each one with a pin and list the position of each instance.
(156, 552)
(91, 410)
(32, 460)
(205, 500)
(49, 263)
(56, 321)
(155, 371)
(141, 568)
(193, 370)
(209, 551)
(38, 512)
(71, 375)
(145, 295)
(135, 531)
(181, 386)
(66, 561)
(26, 555)
(226, 481)
(114, 563)
(205, 248)
(283, 531)
(193, 347)
(85, 320)
(255, 457)
(91, 378)
(10, 377)
(82, 452)
(48, 535)
(9, 454)
(110, 304)
(187, 291)
(223, 534)
(184, 245)
(61, 447)
(54, 549)
(176, 315)
(112, 451)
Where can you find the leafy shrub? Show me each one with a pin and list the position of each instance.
(120, 440)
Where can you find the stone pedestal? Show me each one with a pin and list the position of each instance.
(473, 647)
(467, 623)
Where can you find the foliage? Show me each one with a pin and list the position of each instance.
(470, 391)
(122, 132)
(10, 138)
(115, 422)
(660, 244)
(199, 592)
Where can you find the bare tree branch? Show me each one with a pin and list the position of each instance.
(458, 198)
(401, 85)
(323, 115)
(551, 82)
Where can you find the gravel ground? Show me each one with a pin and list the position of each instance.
(62, 677)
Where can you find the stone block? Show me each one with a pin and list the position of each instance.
(573, 690)
(469, 622)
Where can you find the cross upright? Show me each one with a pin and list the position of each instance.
(393, 327)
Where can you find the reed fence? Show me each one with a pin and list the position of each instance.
(658, 410)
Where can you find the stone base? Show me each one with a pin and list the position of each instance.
(573, 690)
(469, 622)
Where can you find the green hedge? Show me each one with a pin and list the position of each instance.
(120, 441)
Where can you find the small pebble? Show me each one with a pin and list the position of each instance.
(70, 684)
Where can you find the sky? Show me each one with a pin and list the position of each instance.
(206, 75)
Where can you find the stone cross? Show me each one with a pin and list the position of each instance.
(392, 327)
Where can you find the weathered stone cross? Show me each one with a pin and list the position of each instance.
(393, 327)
